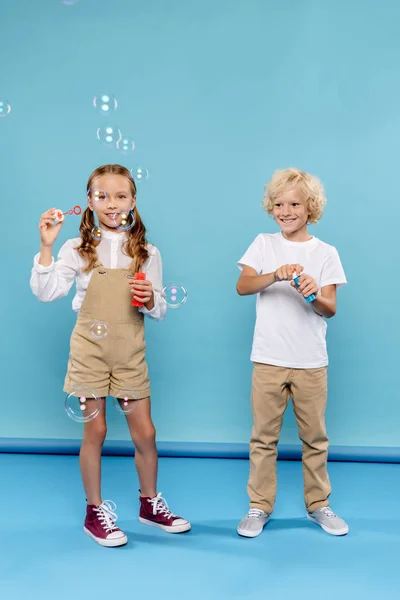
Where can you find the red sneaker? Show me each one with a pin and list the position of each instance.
(100, 525)
(155, 511)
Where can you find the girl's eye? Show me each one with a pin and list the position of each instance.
(277, 204)
(295, 204)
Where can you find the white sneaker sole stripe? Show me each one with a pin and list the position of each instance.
(169, 528)
(251, 534)
(107, 543)
(342, 531)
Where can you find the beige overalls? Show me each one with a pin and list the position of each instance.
(116, 362)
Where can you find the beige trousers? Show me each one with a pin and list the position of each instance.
(272, 388)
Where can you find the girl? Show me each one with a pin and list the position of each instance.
(101, 260)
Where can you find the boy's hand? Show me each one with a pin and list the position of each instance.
(307, 285)
(285, 273)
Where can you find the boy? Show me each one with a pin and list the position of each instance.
(289, 347)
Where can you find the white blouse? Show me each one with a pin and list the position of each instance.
(55, 281)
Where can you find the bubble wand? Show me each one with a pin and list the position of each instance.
(59, 215)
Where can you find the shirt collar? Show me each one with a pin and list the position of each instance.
(113, 235)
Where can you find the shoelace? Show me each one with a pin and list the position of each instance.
(160, 506)
(107, 515)
(328, 512)
(254, 513)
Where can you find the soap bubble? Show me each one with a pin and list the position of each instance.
(105, 104)
(98, 330)
(96, 233)
(124, 220)
(174, 294)
(139, 174)
(109, 135)
(82, 404)
(126, 144)
(97, 196)
(4, 108)
(125, 402)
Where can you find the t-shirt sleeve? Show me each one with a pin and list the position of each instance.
(253, 257)
(332, 271)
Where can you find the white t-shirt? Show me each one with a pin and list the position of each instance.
(288, 333)
(55, 281)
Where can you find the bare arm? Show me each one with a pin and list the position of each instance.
(46, 255)
(250, 282)
(325, 303)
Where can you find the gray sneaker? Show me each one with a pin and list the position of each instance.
(329, 522)
(253, 523)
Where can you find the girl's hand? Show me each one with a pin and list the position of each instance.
(48, 231)
(285, 273)
(307, 285)
(142, 291)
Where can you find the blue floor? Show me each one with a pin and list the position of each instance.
(44, 553)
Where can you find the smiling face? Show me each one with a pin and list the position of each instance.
(291, 214)
(109, 197)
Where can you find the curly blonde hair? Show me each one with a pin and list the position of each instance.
(135, 245)
(310, 187)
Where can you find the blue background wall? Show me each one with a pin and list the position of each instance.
(216, 96)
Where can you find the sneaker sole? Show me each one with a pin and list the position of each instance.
(337, 532)
(107, 543)
(167, 528)
(251, 534)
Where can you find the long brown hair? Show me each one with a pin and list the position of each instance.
(135, 245)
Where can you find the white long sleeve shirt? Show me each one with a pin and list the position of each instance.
(55, 281)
